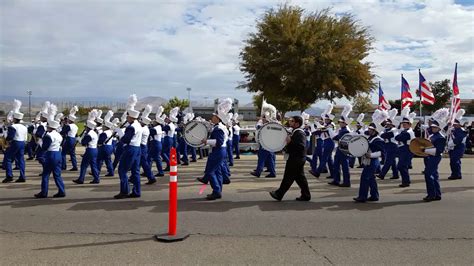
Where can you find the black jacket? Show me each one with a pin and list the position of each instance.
(296, 149)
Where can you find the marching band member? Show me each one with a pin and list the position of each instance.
(17, 135)
(318, 148)
(144, 122)
(294, 168)
(405, 136)
(183, 146)
(130, 159)
(31, 145)
(216, 159)
(390, 146)
(360, 131)
(367, 178)
(41, 131)
(265, 158)
(69, 132)
(340, 159)
(434, 156)
(156, 135)
(236, 135)
(327, 133)
(51, 144)
(119, 131)
(89, 140)
(105, 147)
(457, 146)
(168, 140)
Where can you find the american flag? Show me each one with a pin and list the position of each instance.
(456, 101)
(383, 103)
(427, 96)
(407, 99)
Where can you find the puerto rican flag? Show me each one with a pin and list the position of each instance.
(456, 101)
(427, 96)
(407, 99)
(383, 103)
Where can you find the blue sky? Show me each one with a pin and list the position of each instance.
(112, 48)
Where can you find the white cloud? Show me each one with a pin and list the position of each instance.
(113, 48)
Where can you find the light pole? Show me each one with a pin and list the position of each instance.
(189, 99)
(29, 92)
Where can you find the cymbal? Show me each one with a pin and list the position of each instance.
(417, 146)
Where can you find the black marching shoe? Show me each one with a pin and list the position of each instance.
(359, 200)
(394, 177)
(226, 182)
(213, 197)
(344, 185)
(158, 175)
(20, 180)
(16, 168)
(301, 198)
(270, 176)
(73, 169)
(333, 183)
(94, 182)
(167, 169)
(7, 180)
(152, 181)
(40, 196)
(109, 175)
(315, 174)
(201, 179)
(428, 199)
(372, 199)
(133, 195)
(404, 185)
(379, 176)
(454, 177)
(121, 196)
(77, 181)
(254, 174)
(59, 195)
(437, 198)
(193, 161)
(274, 195)
(185, 163)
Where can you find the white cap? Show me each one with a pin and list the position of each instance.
(91, 124)
(133, 113)
(145, 120)
(72, 117)
(18, 116)
(53, 124)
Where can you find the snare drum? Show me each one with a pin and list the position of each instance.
(194, 132)
(272, 136)
(353, 145)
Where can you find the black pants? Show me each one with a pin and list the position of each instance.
(294, 171)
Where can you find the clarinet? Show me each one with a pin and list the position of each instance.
(115, 132)
(84, 131)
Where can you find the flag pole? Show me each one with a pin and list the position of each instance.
(419, 90)
(401, 94)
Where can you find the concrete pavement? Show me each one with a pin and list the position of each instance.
(245, 227)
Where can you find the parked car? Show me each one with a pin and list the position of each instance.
(248, 139)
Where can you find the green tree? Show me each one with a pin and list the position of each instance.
(175, 102)
(295, 58)
(362, 104)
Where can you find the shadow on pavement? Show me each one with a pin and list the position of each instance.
(99, 243)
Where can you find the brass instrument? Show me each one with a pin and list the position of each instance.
(418, 145)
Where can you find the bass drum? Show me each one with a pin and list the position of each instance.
(272, 136)
(194, 132)
(354, 145)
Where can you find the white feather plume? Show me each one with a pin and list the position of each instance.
(328, 109)
(10, 116)
(99, 113)
(92, 116)
(392, 113)
(16, 106)
(305, 116)
(52, 110)
(268, 110)
(108, 116)
(115, 121)
(379, 116)
(405, 111)
(147, 111)
(73, 110)
(159, 111)
(235, 117)
(174, 112)
(346, 110)
(124, 117)
(59, 117)
(45, 107)
(132, 101)
(38, 116)
(360, 118)
(460, 114)
(441, 115)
